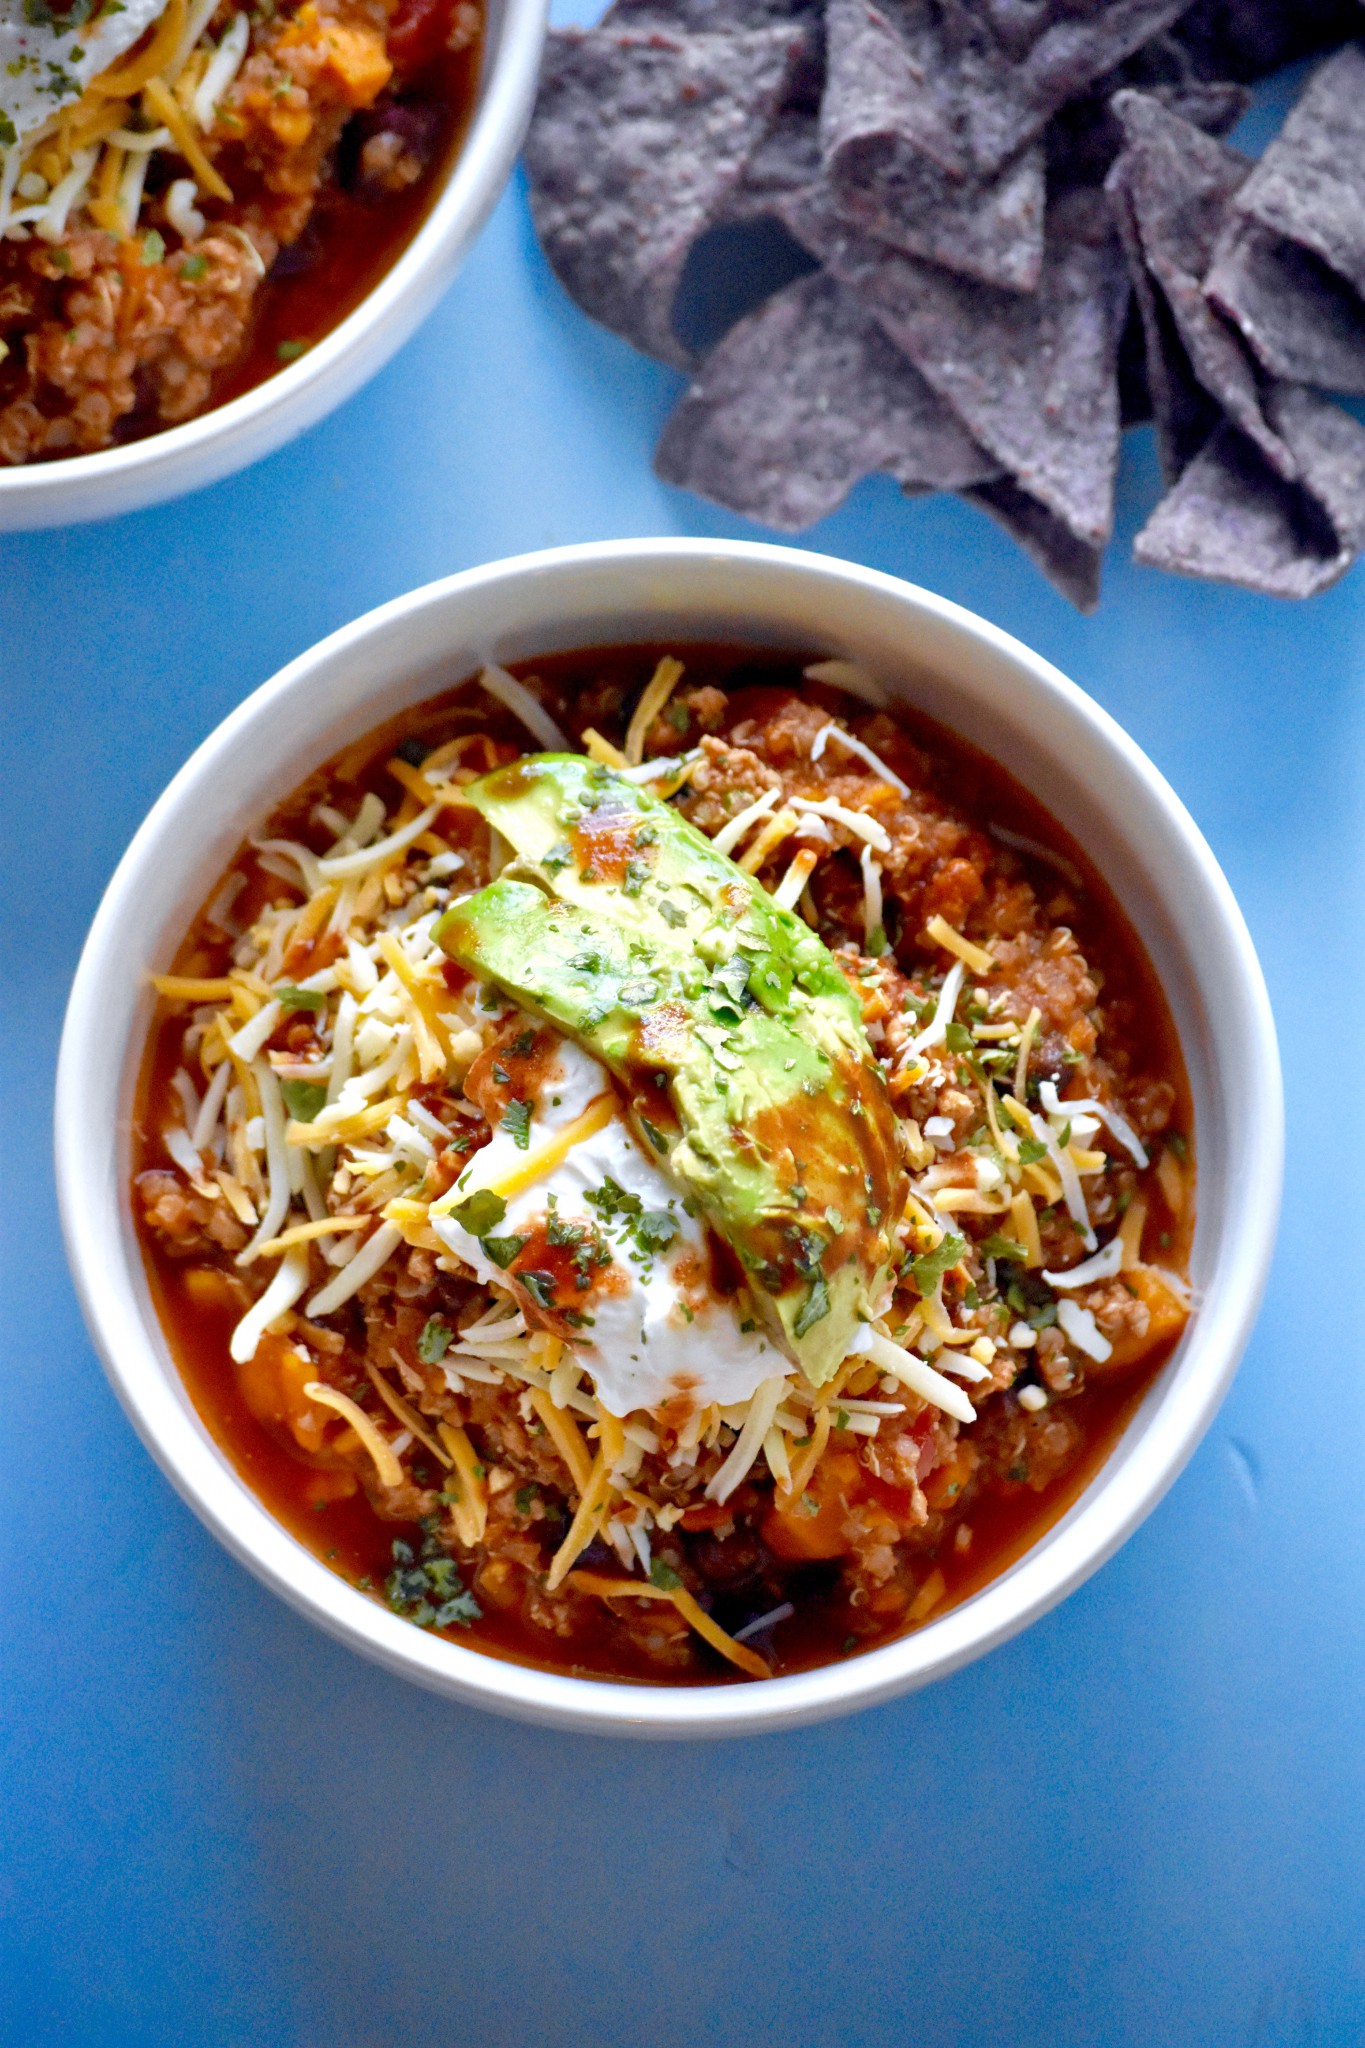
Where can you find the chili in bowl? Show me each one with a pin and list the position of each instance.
(214, 220)
(662, 1173)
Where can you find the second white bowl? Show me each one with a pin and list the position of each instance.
(230, 436)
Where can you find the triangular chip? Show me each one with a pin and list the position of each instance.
(1233, 519)
(969, 101)
(1177, 185)
(1030, 375)
(1182, 410)
(1072, 566)
(801, 400)
(636, 144)
(1310, 183)
(988, 228)
(1298, 317)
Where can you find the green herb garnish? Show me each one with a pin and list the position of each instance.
(928, 1270)
(997, 1247)
(435, 1340)
(516, 1121)
(502, 1250)
(290, 997)
(303, 1099)
(480, 1212)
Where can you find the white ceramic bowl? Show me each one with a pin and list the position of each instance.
(230, 436)
(949, 663)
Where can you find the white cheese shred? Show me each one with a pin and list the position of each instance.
(523, 704)
(287, 1285)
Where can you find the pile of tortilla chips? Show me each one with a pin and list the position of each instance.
(1010, 229)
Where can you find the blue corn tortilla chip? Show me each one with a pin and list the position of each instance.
(990, 228)
(1071, 565)
(636, 144)
(1310, 184)
(785, 163)
(970, 103)
(1232, 518)
(1181, 409)
(799, 402)
(1032, 376)
(1173, 187)
(1084, 137)
(1248, 39)
(1299, 318)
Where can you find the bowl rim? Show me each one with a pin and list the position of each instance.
(112, 1288)
(230, 436)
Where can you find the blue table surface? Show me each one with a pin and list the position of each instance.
(1143, 1822)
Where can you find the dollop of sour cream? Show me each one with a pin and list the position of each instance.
(655, 1331)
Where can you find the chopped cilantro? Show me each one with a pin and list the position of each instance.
(635, 877)
(192, 268)
(502, 1250)
(814, 1308)
(435, 1340)
(540, 1286)
(480, 1212)
(557, 857)
(303, 1099)
(153, 247)
(928, 1270)
(525, 1498)
(671, 914)
(655, 1136)
(997, 1247)
(291, 998)
(428, 1590)
(289, 351)
(516, 1121)
(663, 1576)
(523, 1044)
(1178, 1144)
(1031, 1150)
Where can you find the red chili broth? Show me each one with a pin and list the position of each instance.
(347, 1534)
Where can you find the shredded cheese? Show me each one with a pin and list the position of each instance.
(952, 941)
(566, 1437)
(778, 828)
(1031, 1023)
(1024, 1225)
(602, 751)
(357, 1271)
(696, 1617)
(471, 1506)
(747, 1445)
(921, 1379)
(853, 745)
(862, 827)
(303, 1233)
(187, 988)
(595, 1117)
(787, 894)
(653, 698)
(404, 1412)
(730, 834)
(380, 1449)
(523, 704)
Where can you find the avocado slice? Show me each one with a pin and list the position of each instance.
(738, 1041)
